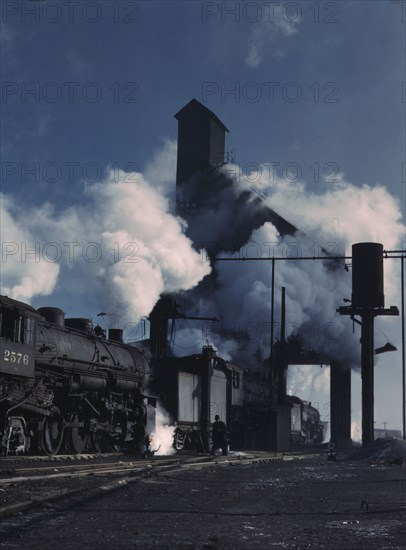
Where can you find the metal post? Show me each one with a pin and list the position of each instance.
(272, 359)
(272, 366)
(367, 376)
(206, 399)
(282, 355)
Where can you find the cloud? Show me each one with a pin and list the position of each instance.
(268, 34)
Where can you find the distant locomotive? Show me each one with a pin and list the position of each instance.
(306, 426)
(65, 386)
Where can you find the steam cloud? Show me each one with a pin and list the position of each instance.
(327, 223)
(121, 245)
(162, 437)
(22, 279)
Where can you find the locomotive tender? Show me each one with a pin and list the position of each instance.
(65, 386)
(194, 388)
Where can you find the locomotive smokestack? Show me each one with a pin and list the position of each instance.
(52, 315)
(116, 335)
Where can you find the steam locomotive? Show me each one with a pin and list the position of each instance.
(307, 428)
(64, 385)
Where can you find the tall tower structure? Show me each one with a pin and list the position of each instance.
(367, 302)
(201, 142)
(201, 186)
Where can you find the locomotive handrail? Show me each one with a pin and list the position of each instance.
(101, 366)
(25, 399)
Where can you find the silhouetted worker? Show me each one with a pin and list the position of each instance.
(219, 436)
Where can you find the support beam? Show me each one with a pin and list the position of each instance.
(367, 315)
(367, 376)
(340, 405)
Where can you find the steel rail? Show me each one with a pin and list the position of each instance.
(136, 475)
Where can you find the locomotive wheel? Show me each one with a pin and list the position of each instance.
(100, 442)
(77, 434)
(52, 433)
(179, 439)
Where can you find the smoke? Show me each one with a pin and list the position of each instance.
(327, 224)
(162, 437)
(121, 245)
(356, 430)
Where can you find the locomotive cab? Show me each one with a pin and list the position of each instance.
(17, 338)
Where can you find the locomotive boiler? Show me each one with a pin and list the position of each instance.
(65, 386)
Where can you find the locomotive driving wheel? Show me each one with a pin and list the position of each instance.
(52, 433)
(179, 439)
(100, 442)
(77, 433)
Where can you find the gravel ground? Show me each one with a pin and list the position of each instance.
(307, 503)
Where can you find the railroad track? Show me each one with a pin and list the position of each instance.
(96, 479)
(22, 474)
(38, 473)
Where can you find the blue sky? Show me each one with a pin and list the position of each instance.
(297, 82)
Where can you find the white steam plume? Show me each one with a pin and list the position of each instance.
(162, 437)
(121, 246)
(24, 273)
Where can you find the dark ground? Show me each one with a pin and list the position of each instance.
(306, 503)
